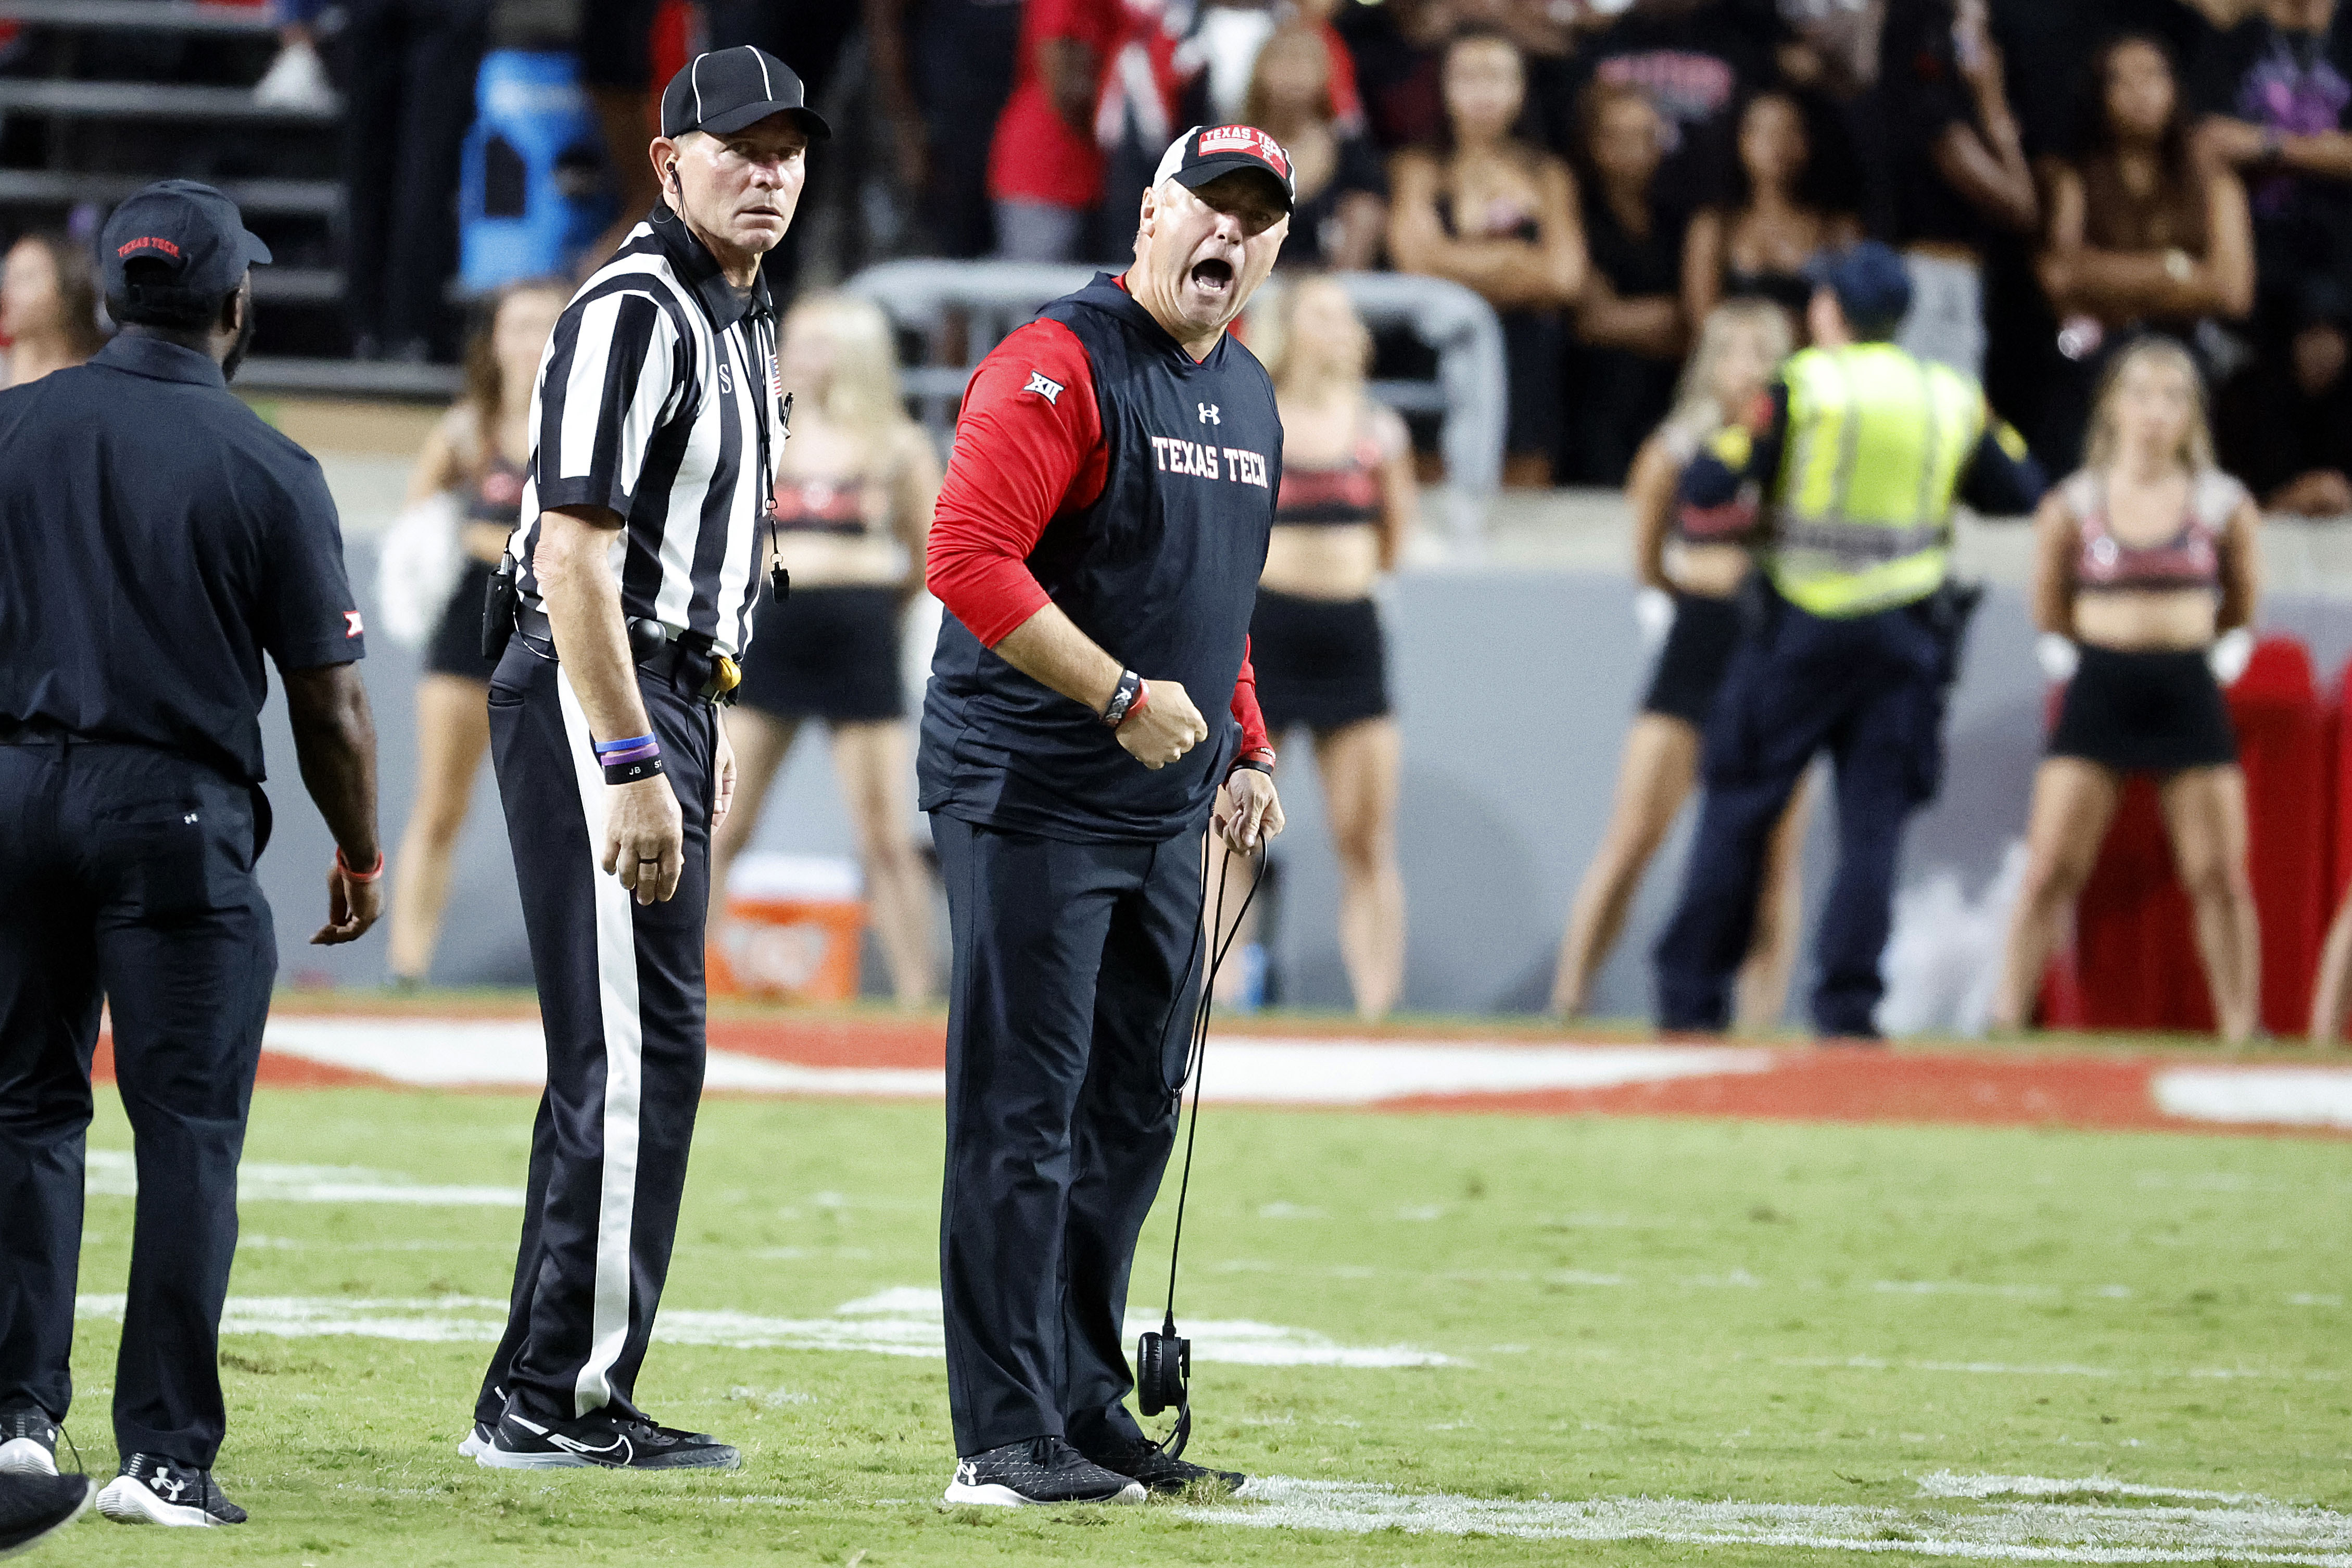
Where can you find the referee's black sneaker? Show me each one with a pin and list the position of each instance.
(157, 1491)
(1146, 1461)
(601, 1439)
(32, 1504)
(1037, 1471)
(28, 1443)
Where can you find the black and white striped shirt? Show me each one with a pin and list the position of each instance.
(657, 398)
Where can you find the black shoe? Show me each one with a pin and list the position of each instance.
(157, 1491)
(33, 1505)
(629, 1443)
(1040, 1471)
(28, 1443)
(1148, 1462)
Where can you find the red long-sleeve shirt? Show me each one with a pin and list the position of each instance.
(1029, 447)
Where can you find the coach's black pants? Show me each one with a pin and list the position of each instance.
(1065, 1053)
(127, 872)
(620, 995)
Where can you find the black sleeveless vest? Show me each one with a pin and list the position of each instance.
(1161, 571)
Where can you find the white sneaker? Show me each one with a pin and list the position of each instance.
(29, 1443)
(297, 79)
(157, 1491)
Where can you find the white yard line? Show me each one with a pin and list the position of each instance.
(2061, 1369)
(2248, 1529)
(114, 1173)
(902, 1321)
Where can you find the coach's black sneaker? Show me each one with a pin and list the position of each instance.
(1042, 1470)
(157, 1491)
(33, 1504)
(630, 1443)
(28, 1443)
(1146, 1461)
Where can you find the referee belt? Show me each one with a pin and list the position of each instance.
(686, 660)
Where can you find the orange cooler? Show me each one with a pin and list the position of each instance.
(795, 924)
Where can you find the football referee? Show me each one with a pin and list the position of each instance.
(1097, 545)
(636, 565)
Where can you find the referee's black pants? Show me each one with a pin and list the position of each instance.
(621, 998)
(129, 873)
(1067, 1014)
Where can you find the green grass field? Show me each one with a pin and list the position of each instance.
(1715, 1312)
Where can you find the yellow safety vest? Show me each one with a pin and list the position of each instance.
(1862, 503)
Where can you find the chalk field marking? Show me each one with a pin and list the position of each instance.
(2061, 1369)
(2280, 1096)
(2252, 1530)
(1255, 1071)
(902, 1321)
(114, 1173)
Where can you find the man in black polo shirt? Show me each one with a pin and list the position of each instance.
(156, 540)
(1097, 545)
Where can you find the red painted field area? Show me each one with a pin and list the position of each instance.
(1403, 1071)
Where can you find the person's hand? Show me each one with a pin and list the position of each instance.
(1168, 727)
(723, 775)
(644, 838)
(1248, 810)
(353, 905)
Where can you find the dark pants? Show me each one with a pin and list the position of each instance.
(1067, 1011)
(409, 70)
(620, 993)
(1870, 691)
(130, 874)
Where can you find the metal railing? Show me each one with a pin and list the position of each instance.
(139, 16)
(1467, 394)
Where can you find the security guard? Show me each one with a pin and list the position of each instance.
(156, 540)
(1854, 456)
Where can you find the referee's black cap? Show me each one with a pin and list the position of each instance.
(726, 89)
(194, 235)
(1207, 152)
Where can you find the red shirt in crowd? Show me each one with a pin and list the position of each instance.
(1037, 155)
(1023, 457)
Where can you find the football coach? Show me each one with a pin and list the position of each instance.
(1097, 545)
(157, 542)
(637, 567)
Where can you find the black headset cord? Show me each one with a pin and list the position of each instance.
(1195, 1060)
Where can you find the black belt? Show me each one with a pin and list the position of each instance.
(687, 661)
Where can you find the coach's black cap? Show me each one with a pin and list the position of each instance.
(726, 89)
(1205, 152)
(194, 231)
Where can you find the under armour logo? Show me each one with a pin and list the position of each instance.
(1209, 413)
(190, 819)
(169, 1485)
(1044, 386)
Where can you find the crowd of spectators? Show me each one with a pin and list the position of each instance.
(2058, 178)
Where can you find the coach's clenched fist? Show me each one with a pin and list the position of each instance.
(1165, 727)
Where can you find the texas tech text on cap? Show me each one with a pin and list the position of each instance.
(1205, 153)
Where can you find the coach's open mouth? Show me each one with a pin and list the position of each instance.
(1213, 275)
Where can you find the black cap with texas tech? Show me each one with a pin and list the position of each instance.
(1207, 152)
(192, 236)
(726, 89)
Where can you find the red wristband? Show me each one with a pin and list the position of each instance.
(373, 873)
(1142, 701)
